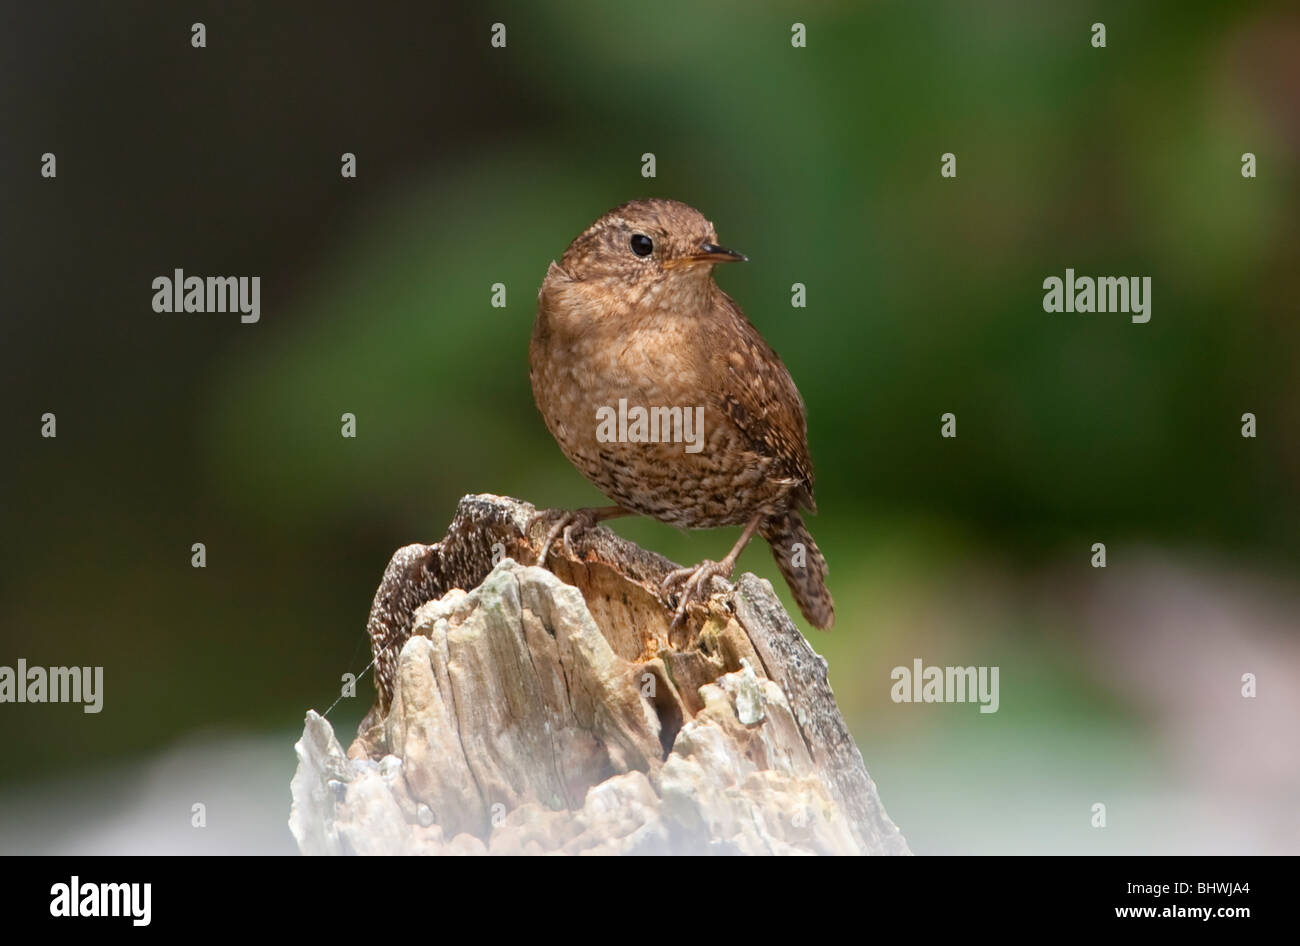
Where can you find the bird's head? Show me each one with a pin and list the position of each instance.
(659, 250)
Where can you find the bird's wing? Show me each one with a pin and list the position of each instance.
(754, 389)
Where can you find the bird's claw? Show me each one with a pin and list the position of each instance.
(694, 584)
(569, 522)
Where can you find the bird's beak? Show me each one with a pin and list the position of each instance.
(709, 253)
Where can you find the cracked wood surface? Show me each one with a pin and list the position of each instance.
(522, 709)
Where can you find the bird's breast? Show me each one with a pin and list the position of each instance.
(627, 394)
(591, 348)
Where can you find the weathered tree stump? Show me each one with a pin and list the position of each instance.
(526, 711)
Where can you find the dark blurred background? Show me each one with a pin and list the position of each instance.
(477, 166)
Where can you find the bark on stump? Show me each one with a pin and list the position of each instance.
(526, 710)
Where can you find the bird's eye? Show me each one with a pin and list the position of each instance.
(642, 245)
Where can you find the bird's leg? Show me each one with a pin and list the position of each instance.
(571, 521)
(695, 581)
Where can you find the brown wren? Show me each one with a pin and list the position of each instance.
(661, 392)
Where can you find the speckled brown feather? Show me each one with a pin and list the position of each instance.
(754, 389)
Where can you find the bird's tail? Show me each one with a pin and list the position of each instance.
(803, 565)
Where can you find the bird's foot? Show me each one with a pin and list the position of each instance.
(568, 523)
(694, 584)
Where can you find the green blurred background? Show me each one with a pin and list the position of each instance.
(924, 295)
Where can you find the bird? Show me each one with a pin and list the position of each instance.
(661, 392)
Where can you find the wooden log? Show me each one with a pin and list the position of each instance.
(531, 710)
